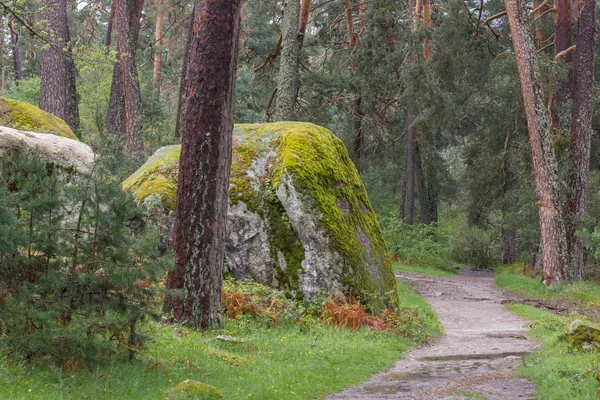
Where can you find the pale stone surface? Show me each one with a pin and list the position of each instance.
(51, 148)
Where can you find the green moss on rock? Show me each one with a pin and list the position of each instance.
(269, 161)
(196, 390)
(583, 336)
(27, 117)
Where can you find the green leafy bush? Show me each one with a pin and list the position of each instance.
(475, 247)
(75, 277)
(28, 91)
(417, 244)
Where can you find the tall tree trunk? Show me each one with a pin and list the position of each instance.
(14, 39)
(58, 94)
(304, 14)
(508, 234)
(421, 189)
(427, 24)
(158, 43)
(409, 216)
(128, 16)
(581, 133)
(545, 168)
(287, 78)
(109, 27)
(358, 132)
(200, 218)
(563, 39)
(182, 87)
(539, 31)
(115, 117)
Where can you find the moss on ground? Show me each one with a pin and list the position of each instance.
(318, 164)
(27, 117)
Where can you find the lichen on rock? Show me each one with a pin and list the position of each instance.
(583, 336)
(299, 218)
(196, 390)
(27, 117)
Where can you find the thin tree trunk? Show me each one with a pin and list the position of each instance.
(115, 117)
(304, 14)
(109, 27)
(410, 166)
(158, 43)
(508, 235)
(287, 78)
(563, 39)
(58, 94)
(427, 24)
(182, 88)
(358, 132)
(581, 134)
(539, 31)
(14, 39)
(545, 168)
(421, 189)
(128, 16)
(200, 218)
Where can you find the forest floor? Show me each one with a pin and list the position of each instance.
(482, 345)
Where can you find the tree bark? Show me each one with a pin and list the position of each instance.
(539, 31)
(581, 134)
(14, 39)
(109, 27)
(158, 43)
(409, 216)
(58, 94)
(200, 218)
(128, 105)
(182, 88)
(563, 39)
(545, 168)
(427, 24)
(287, 78)
(508, 235)
(304, 14)
(358, 133)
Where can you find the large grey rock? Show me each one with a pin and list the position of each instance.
(52, 148)
(299, 216)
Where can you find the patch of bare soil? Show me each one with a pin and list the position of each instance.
(558, 306)
(483, 343)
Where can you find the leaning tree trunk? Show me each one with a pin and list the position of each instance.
(200, 217)
(545, 168)
(58, 94)
(287, 77)
(581, 133)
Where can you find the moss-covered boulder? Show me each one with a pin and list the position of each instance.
(299, 216)
(583, 336)
(27, 117)
(195, 390)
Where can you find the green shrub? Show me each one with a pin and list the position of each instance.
(417, 244)
(476, 247)
(75, 278)
(27, 91)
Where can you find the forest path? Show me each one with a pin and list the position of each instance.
(483, 343)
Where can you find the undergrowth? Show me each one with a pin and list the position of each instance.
(287, 350)
(558, 371)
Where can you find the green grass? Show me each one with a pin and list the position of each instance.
(587, 292)
(424, 270)
(293, 361)
(557, 371)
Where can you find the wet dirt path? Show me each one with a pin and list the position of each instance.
(483, 343)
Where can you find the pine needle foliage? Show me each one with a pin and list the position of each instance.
(78, 271)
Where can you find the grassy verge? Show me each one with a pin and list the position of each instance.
(557, 371)
(425, 270)
(508, 278)
(303, 360)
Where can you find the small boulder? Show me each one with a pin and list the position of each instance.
(196, 390)
(27, 117)
(583, 336)
(299, 218)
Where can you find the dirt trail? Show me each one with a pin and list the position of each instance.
(483, 343)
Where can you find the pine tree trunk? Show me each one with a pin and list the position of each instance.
(287, 78)
(508, 250)
(539, 31)
(14, 39)
(304, 14)
(58, 94)
(421, 189)
(109, 27)
(158, 43)
(115, 116)
(128, 22)
(182, 87)
(358, 132)
(200, 218)
(563, 39)
(545, 168)
(410, 166)
(581, 134)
